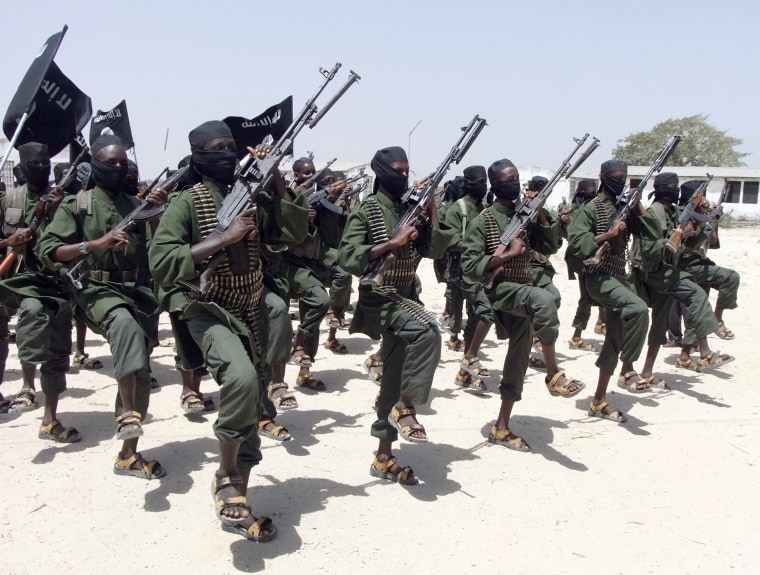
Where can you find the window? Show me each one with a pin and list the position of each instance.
(750, 192)
(734, 193)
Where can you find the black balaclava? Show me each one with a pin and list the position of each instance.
(107, 176)
(299, 165)
(216, 165)
(453, 189)
(19, 174)
(38, 176)
(585, 192)
(609, 183)
(339, 175)
(537, 183)
(507, 190)
(662, 189)
(130, 182)
(395, 182)
(687, 191)
(476, 189)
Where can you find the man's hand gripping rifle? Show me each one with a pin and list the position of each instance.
(527, 209)
(690, 212)
(416, 200)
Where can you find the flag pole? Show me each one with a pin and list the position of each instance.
(15, 137)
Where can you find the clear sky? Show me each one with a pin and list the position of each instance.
(540, 71)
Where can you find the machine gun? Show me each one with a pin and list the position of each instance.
(627, 201)
(689, 212)
(712, 222)
(141, 213)
(527, 209)
(255, 175)
(40, 211)
(415, 201)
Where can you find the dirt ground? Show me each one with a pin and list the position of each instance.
(674, 490)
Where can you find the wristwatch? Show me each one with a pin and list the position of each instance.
(83, 248)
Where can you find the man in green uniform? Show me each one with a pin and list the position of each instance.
(389, 308)
(606, 283)
(480, 314)
(223, 324)
(658, 281)
(508, 278)
(705, 271)
(116, 301)
(36, 294)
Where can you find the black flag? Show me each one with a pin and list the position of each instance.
(114, 121)
(273, 121)
(58, 112)
(22, 100)
(75, 148)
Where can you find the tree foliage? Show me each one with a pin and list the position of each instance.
(702, 144)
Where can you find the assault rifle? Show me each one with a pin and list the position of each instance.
(527, 208)
(321, 196)
(689, 212)
(255, 175)
(415, 201)
(627, 201)
(40, 211)
(713, 216)
(141, 213)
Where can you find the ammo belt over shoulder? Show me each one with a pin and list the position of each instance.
(400, 273)
(611, 264)
(516, 270)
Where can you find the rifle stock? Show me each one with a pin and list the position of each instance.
(713, 217)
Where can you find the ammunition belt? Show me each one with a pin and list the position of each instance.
(400, 273)
(611, 264)
(239, 294)
(516, 270)
(414, 308)
(113, 276)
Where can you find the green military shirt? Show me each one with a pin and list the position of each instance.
(33, 278)
(171, 261)
(72, 225)
(375, 311)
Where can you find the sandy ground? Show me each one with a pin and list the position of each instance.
(674, 490)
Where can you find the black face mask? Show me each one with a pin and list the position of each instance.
(130, 187)
(110, 178)
(216, 165)
(509, 190)
(667, 193)
(613, 185)
(475, 189)
(38, 176)
(394, 182)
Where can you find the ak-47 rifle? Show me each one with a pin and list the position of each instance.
(627, 201)
(415, 200)
(40, 211)
(141, 213)
(321, 196)
(527, 209)
(689, 212)
(712, 222)
(255, 175)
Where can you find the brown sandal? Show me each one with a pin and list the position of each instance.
(278, 399)
(382, 470)
(146, 469)
(299, 357)
(63, 434)
(406, 431)
(471, 384)
(633, 382)
(506, 438)
(580, 345)
(598, 411)
(560, 385)
(278, 432)
(474, 367)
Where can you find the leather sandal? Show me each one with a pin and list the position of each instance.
(598, 411)
(128, 425)
(382, 470)
(506, 438)
(147, 469)
(58, 433)
(26, 400)
(407, 430)
(560, 385)
(278, 399)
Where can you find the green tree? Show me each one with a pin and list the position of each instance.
(702, 144)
